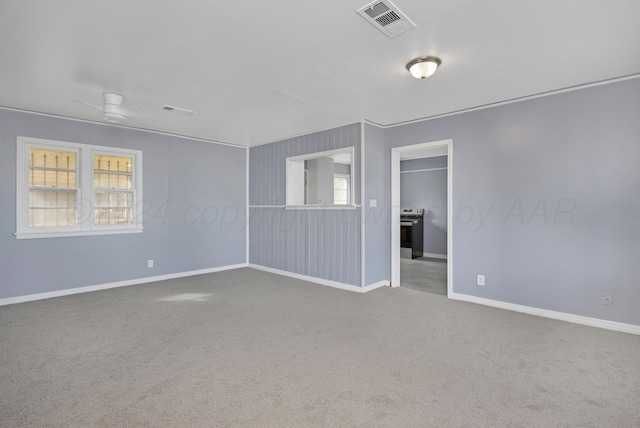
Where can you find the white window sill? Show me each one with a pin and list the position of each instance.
(320, 207)
(33, 235)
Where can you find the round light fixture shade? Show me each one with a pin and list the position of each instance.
(423, 67)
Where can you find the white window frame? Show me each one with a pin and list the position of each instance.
(295, 181)
(85, 197)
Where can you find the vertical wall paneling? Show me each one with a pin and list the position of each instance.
(320, 243)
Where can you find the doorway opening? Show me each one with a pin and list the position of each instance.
(421, 233)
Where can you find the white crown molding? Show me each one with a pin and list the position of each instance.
(116, 125)
(505, 102)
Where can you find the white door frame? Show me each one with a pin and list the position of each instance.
(435, 148)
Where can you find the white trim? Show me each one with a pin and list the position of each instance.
(546, 313)
(151, 131)
(327, 282)
(362, 203)
(449, 218)
(90, 288)
(395, 218)
(375, 285)
(511, 101)
(325, 153)
(32, 235)
(294, 174)
(321, 207)
(367, 121)
(424, 170)
(435, 256)
(396, 154)
(246, 228)
(309, 207)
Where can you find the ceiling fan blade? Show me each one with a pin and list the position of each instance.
(137, 110)
(89, 104)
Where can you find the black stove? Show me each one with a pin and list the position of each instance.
(411, 233)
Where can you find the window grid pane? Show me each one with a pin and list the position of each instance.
(340, 191)
(52, 168)
(113, 185)
(52, 184)
(112, 172)
(114, 199)
(52, 199)
(49, 217)
(113, 216)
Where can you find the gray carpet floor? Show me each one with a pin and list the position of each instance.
(245, 348)
(424, 274)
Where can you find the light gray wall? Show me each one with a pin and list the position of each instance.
(194, 211)
(423, 184)
(546, 199)
(377, 219)
(320, 243)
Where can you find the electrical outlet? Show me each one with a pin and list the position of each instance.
(149, 263)
(607, 299)
(480, 280)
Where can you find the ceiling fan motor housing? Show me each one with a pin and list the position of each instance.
(111, 98)
(112, 105)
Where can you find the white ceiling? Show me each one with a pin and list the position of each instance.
(259, 71)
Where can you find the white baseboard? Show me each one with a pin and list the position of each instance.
(375, 285)
(321, 281)
(435, 256)
(87, 289)
(546, 313)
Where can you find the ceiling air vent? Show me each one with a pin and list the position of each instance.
(386, 17)
(175, 109)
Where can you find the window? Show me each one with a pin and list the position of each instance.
(320, 180)
(68, 189)
(53, 187)
(113, 187)
(341, 194)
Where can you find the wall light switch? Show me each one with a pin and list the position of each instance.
(373, 203)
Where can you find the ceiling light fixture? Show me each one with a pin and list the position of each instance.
(423, 67)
